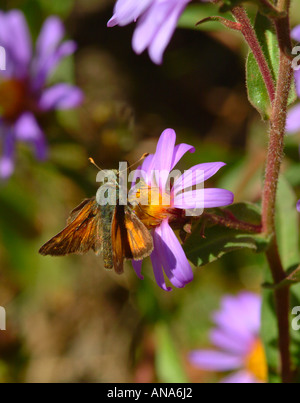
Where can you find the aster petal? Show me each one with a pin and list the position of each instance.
(296, 33)
(179, 152)
(250, 304)
(297, 80)
(137, 265)
(51, 35)
(163, 157)
(211, 360)
(298, 206)
(5, 43)
(231, 319)
(203, 198)
(156, 27)
(7, 161)
(293, 120)
(240, 377)
(165, 32)
(16, 39)
(27, 129)
(147, 169)
(174, 261)
(196, 175)
(49, 64)
(127, 11)
(157, 266)
(227, 343)
(60, 96)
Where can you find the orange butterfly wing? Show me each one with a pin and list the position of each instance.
(130, 238)
(81, 234)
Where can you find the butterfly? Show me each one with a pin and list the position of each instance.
(113, 230)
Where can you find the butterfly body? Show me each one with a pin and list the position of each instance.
(106, 216)
(104, 227)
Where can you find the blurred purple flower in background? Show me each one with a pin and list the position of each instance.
(23, 94)
(293, 121)
(168, 255)
(156, 23)
(237, 337)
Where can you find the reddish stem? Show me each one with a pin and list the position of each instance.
(250, 36)
(274, 159)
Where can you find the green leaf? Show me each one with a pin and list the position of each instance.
(265, 8)
(288, 239)
(257, 91)
(197, 12)
(169, 366)
(295, 332)
(292, 278)
(287, 225)
(269, 332)
(220, 240)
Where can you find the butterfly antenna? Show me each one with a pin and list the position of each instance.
(94, 163)
(142, 158)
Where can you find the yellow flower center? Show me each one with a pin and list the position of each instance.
(12, 99)
(154, 207)
(256, 362)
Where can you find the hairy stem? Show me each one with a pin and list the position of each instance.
(274, 159)
(250, 36)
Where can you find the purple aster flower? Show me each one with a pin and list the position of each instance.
(298, 206)
(23, 92)
(236, 337)
(293, 121)
(156, 23)
(170, 205)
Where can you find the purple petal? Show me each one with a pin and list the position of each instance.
(233, 321)
(227, 343)
(174, 261)
(49, 38)
(250, 304)
(203, 198)
(49, 63)
(157, 266)
(7, 161)
(240, 377)
(27, 129)
(147, 169)
(165, 32)
(127, 11)
(298, 206)
(211, 360)
(60, 96)
(16, 39)
(137, 265)
(156, 27)
(196, 175)
(179, 152)
(163, 156)
(293, 120)
(296, 33)
(297, 81)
